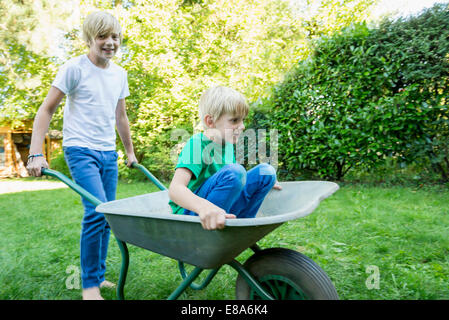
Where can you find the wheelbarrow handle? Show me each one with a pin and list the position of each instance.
(87, 195)
(78, 189)
(148, 174)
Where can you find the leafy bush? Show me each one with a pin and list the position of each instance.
(364, 95)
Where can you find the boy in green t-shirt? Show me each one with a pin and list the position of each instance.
(208, 182)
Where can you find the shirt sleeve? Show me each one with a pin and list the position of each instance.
(67, 78)
(125, 90)
(191, 157)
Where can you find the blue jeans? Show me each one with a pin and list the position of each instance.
(237, 191)
(96, 172)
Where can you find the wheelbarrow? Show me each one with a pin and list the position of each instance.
(146, 221)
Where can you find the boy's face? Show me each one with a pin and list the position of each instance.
(230, 127)
(105, 46)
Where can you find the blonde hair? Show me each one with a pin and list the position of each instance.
(98, 23)
(219, 100)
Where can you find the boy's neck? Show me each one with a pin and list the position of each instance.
(213, 138)
(100, 63)
(208, 135)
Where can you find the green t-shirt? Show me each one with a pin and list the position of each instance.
(203, 157)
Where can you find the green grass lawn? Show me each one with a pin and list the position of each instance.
(401, 231)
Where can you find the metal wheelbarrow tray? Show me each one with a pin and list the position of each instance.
(146, 221)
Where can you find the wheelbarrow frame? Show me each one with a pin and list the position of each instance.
(188, 279)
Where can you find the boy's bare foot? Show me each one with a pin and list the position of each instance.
(107, 284)
(92, 294)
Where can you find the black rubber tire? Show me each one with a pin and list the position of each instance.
(282, 263)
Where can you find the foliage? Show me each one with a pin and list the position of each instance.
(173, 50)
(366, 94)
(172, 60)
(27, 61)
(420, 51)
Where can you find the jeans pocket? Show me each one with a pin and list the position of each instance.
(70, 151)
(110, 156)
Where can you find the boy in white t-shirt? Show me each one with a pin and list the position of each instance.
(96, 89)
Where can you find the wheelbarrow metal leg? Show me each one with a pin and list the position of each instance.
(196, 286)
(123, 270)
(255, 248)
(187, 281)
(250, 280)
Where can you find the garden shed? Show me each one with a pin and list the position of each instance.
(14, 148)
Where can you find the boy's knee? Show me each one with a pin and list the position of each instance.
(267, 173)
(235, 174)
(266, 169)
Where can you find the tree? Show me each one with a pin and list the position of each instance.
(174, 50)
(366, 94)
(27, 63)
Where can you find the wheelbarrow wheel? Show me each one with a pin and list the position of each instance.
(286, 275)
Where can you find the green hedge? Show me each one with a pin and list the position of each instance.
(366, 94)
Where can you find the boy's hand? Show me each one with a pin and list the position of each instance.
(277, 186)
(35, 165)
(213, 217)
(131, 159)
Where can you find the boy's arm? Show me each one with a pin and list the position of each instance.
(122, 124)
(212, 217)
(40, 128)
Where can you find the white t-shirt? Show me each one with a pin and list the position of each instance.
(92, 97)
